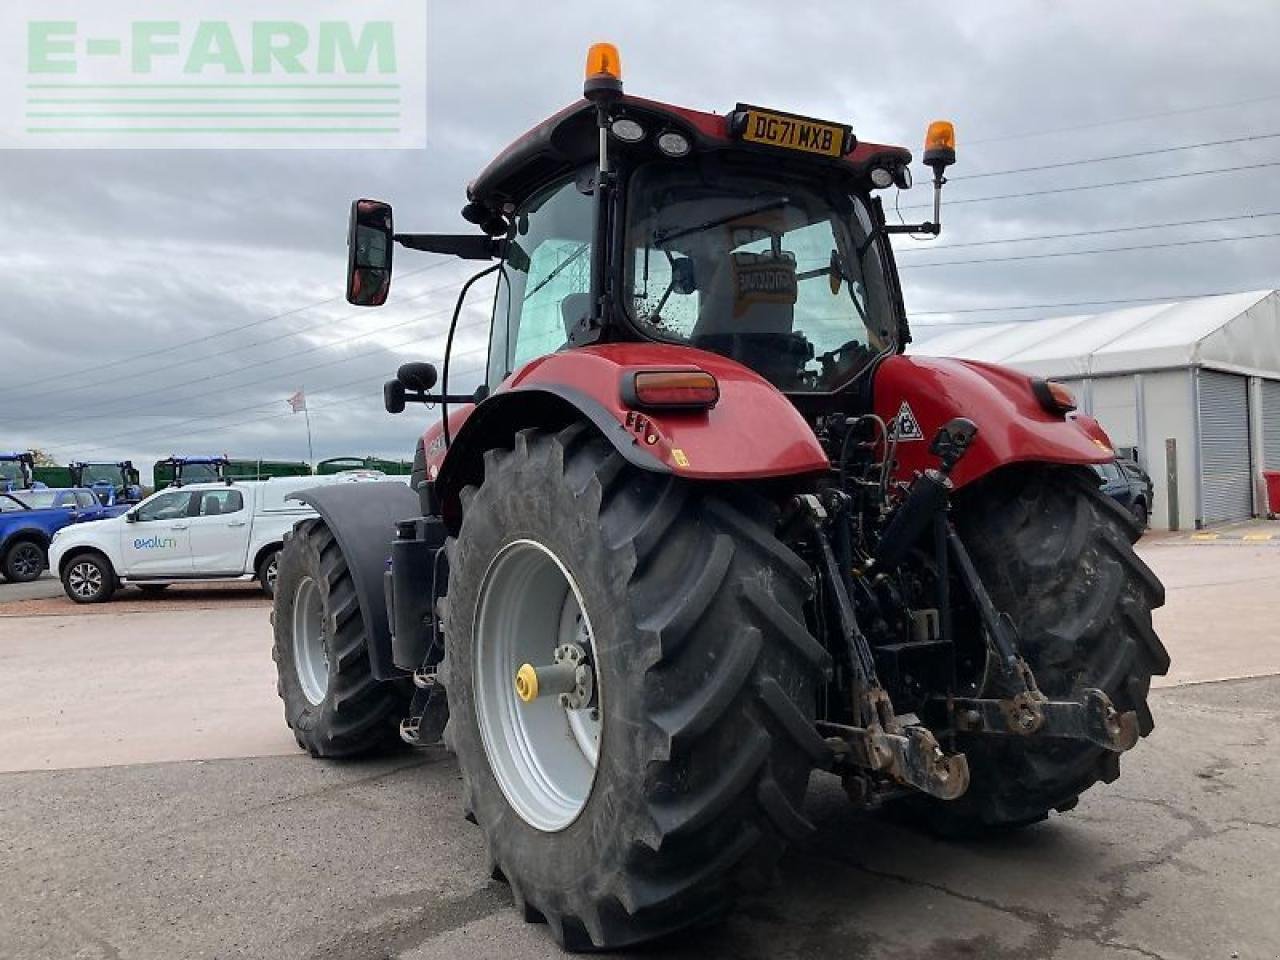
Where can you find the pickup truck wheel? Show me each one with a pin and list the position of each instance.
(23, 562)
(331, 701)
(268, 571)
(1140, 514)
(88, 578)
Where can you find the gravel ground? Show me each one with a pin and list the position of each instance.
(287, 857)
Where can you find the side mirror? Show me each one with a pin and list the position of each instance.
(131, 516)
(393, 396)
(370, 241)
(417, 376)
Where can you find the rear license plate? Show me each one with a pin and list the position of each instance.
(793, 133)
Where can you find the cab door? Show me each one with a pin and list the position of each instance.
(219, 532)
(158, 544)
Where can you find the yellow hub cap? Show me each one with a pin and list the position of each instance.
(527, 683)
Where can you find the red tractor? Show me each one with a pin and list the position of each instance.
(706, 529)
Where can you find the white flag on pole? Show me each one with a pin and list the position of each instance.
(298, 402)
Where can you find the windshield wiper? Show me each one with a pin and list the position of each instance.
(557, 271)
(664, 236)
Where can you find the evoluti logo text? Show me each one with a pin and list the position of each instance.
(155, 543)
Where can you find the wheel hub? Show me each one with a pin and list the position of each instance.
(85, 579)
(310, 645)
(536, 691)
(26, 560)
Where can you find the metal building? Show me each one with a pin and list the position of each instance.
(1192, 389)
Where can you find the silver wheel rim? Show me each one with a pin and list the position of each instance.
(310, 650)
(27, 560)
(85, 579)
(542, 754)
(270, 573)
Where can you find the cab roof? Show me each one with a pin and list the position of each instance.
(569, 138)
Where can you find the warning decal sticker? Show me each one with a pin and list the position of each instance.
(905, 426)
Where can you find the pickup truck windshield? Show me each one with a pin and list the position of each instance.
(776, 273)
(11, 470)
(37, 499)
(10, 505)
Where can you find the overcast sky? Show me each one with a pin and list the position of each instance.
(111, 254)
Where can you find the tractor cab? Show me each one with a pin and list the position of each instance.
(753, 234)
(111, 483)
(16, 471)
(176, 471)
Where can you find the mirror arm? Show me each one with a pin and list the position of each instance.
(465, 246)
(417, 396)
(933, 227)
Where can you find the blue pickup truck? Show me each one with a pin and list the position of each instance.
(30, 518)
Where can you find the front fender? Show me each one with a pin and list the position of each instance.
(1012, 425)
(362, 517)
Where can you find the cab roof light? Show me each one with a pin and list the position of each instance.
(687, 389)
(1053, 396)
(604, 70)
(940, 145)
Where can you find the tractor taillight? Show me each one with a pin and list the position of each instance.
(1053, 396)
(691, 389)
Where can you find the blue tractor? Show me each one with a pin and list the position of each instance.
(113, 484)
(16, 471)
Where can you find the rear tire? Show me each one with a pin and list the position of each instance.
(268, 571)
(24, 561)
(707, 679)
(331, 701)
(1056, 554)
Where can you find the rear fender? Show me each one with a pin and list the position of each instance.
(362, 517)
(753, 432)
(1013, 427)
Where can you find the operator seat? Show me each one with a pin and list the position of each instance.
(746, 311)
(573, 309)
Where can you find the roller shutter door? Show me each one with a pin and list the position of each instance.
(1224, 447)
(1271, 423)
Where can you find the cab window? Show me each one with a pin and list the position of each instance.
(215, 503)
(545, 284)
(86, 500)
(167, 506)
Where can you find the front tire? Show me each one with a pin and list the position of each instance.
(23, 562)
(1056, 554)
(332, 702)
(706, 673)
(89, 578)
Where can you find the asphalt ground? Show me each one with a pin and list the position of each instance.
(155, 806)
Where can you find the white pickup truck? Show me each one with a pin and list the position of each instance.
(198, 532)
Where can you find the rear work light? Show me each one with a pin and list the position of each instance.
(1053, 396)
(688, 389)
